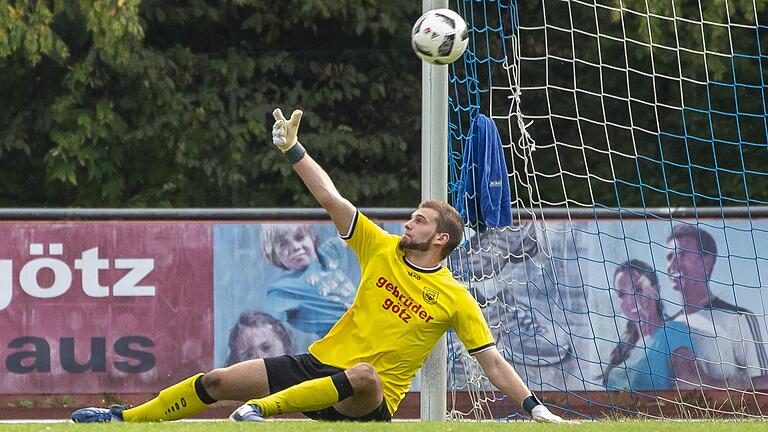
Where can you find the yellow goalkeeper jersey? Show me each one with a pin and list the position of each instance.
(399, 313)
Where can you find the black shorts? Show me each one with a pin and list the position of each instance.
(288, 370)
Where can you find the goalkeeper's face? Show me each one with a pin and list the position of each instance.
(420, 230)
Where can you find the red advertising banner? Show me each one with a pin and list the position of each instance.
(104, 306)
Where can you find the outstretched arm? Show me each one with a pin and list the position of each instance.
(285, 137)
(322, 188)
(504, 377)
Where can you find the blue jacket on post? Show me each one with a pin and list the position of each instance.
(483, 198)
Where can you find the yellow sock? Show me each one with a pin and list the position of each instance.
(176, 402)
(310, 395)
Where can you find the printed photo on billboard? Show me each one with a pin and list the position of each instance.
(683, 306)
(630, 305)
(525, 278)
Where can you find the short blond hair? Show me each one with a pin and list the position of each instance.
(273, 234)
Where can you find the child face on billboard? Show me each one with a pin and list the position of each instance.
(258, 342)
(296, 250)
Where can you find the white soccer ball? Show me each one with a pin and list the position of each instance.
(439, 36)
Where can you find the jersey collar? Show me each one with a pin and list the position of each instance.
(421, 269)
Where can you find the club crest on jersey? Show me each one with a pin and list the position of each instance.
(430, 295)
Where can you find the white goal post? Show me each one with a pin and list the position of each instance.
(434, 181)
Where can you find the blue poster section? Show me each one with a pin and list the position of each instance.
(585, 304)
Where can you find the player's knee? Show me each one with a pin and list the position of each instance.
(363, 377)
(216, 383)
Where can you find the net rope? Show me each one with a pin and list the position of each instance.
(636, 141)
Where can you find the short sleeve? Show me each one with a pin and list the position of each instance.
(470, 325)
(366, 238)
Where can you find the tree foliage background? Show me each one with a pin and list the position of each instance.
(647, 104)
(127, 103)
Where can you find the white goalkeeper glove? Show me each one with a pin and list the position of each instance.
(533, 406)
(542, 414)
(285, 132)
(285, 135)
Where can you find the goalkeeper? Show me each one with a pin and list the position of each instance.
(363, 367)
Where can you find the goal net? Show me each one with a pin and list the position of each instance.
(628, 275)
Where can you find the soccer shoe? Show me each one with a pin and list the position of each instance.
(98, 415)
(247, 413)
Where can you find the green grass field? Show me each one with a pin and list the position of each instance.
(308, 426)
